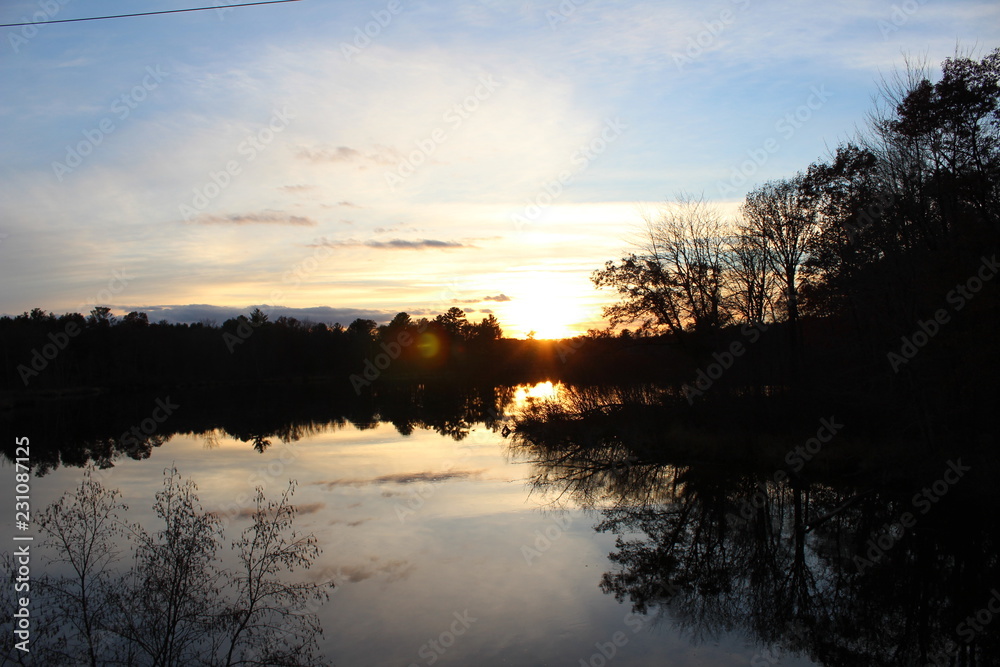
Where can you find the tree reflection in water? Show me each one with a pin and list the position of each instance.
(176, 604)
(93, 430)
(812, 566)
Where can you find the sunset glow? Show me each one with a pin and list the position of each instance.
(543, 391)
(551, 306)
(468, 153)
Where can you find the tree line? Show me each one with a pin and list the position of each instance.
(45, 350)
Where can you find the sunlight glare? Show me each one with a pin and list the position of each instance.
(543, 391)
(550, 313)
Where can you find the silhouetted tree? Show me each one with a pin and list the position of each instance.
(750, 279)
(362, 330)
(101, 316)
(782, 215)
(675, 280)
(487, 330)
(257, 317)
(453, 322)
(135, 319)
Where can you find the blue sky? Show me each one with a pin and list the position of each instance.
(194, 165)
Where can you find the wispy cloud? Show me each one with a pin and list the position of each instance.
(394, 570)
(394, 228)
(380, 155)
(262, 218)
(404, 478)
(338, 154)
(422, 244)
(308, 508)
(350, 524)
(500, 298)
(394, 244)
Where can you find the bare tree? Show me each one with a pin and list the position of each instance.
(750, 279)
(84, 528)
(262, 630)
(175, 583)
(782, 214)
(675, 279)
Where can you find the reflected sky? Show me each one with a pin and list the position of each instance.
(426, 536)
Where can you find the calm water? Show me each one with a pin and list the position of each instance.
(451, 544)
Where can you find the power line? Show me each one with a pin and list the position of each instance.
(166, 11)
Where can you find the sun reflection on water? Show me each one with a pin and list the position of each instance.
(526, 394)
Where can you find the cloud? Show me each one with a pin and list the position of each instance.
(404, 478)
(394, 244)
(262, 218)
(338, 154)
(394, 570)
(421, 244)
(350, 524)
(500, 298)
(380, 155)
(414, 477)
(308, 508)
(297, 188)
(398, 228)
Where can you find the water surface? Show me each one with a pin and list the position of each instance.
(450, 542)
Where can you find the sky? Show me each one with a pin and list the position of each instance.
(332, 160)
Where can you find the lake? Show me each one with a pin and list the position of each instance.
(452, 541)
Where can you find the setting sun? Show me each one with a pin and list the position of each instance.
(546, 319)
(549, 306)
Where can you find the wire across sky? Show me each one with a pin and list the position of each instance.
(165, 11)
